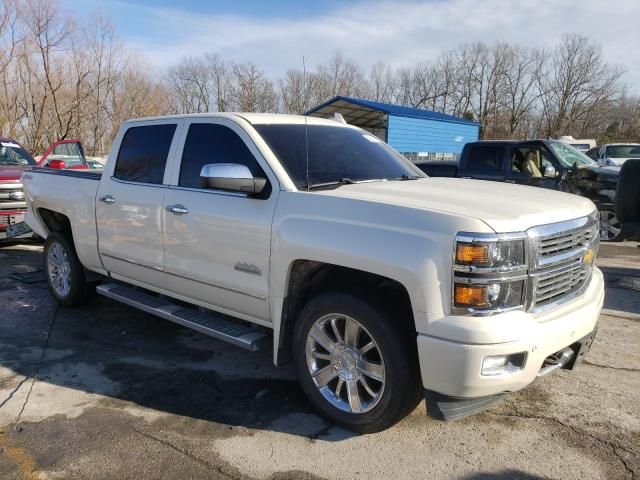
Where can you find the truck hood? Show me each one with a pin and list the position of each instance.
(10, 173)
(504, 207)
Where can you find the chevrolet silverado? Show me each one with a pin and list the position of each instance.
(381, 285)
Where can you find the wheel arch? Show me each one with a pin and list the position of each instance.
(307, 278)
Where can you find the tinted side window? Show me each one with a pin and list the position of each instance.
(209, 143)
(143, 153)
(485, 158)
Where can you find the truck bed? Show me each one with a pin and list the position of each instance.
(71, 193)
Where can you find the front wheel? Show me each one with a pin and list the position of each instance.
(610, 227)
(64, 272)
(357, 366)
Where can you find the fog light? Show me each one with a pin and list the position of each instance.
(501, 364)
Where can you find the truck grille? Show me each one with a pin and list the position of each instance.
(12, 196)
(561, 264)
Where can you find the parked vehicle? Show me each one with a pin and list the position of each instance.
(539, 163)
(379, 283)
(614, 154)
(65, 154)
(628, 199)
(13, 160)
(581, 145)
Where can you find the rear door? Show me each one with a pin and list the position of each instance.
(129, 203)
(484, 162)
(218, 243)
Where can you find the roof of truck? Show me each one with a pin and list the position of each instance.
(253, 118)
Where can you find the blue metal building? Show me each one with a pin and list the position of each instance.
(418, 134)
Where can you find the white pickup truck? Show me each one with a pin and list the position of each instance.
(381, 285)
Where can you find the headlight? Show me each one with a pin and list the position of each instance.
(492, 296)
(497, 255)
(490, 272)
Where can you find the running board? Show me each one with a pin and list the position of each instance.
(207, 323)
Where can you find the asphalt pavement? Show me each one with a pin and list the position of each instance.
(107, 392)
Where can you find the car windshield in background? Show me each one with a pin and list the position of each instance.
(336, 155)
(570, 156)
(13, 154)
(623, 151)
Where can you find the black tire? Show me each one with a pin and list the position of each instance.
(80, 291)
(397, 345)
(628, 194)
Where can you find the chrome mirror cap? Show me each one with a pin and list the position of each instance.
(232, 177)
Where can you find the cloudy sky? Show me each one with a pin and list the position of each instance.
(275, 34)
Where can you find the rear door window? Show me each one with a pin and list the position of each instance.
(486, 158)
(143, 153)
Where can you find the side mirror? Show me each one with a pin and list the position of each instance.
(57, 164)
(231, 177)
(550, 172)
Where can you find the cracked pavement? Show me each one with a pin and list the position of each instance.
(105, 391)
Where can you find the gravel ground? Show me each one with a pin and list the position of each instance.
(108, 392)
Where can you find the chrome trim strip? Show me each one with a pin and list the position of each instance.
(259, 296)
(133, 262)
(209, 190)
(144, 184)
(11, 186)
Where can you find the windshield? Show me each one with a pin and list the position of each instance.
(569, 156)
(336, 155)
(623, 151)
(13, 154)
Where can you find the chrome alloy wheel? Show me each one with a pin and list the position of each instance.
(345, 363)
(59, 269)
(610, 227)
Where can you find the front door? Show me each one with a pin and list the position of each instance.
(531, 164)
(217, 244)
(129, 206)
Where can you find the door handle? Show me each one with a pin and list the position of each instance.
(108, 199)
(510, 181)
(178, 209)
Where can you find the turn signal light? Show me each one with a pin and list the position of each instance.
(472, 295)
(469, 253)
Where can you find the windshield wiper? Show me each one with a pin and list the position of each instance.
(342, 181)
(406, 177)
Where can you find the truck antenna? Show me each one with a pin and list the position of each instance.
(306, 124)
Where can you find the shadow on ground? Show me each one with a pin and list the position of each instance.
(109, 349)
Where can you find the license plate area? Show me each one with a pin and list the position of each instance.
(580, 349)
(17, 229)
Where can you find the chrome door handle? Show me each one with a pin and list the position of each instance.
(108, 199)
(178, 209)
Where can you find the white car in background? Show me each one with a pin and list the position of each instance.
(614, 154)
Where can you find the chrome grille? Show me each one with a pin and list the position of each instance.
(558, 267)
(9, 190)
(558, 243)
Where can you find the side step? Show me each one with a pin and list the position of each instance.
(207, 323)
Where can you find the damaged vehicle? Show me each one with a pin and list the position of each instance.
(550, 164)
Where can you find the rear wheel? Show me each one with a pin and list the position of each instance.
(64, 272)
(357, 367)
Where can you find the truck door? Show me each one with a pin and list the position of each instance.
(484, 162)
(129, 204)
(217, 243)
(531, 164)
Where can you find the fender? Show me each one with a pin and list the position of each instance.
(409, 245)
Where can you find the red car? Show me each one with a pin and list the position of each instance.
(65, 154)
(13, 160)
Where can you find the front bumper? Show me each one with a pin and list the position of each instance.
(453, 369)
